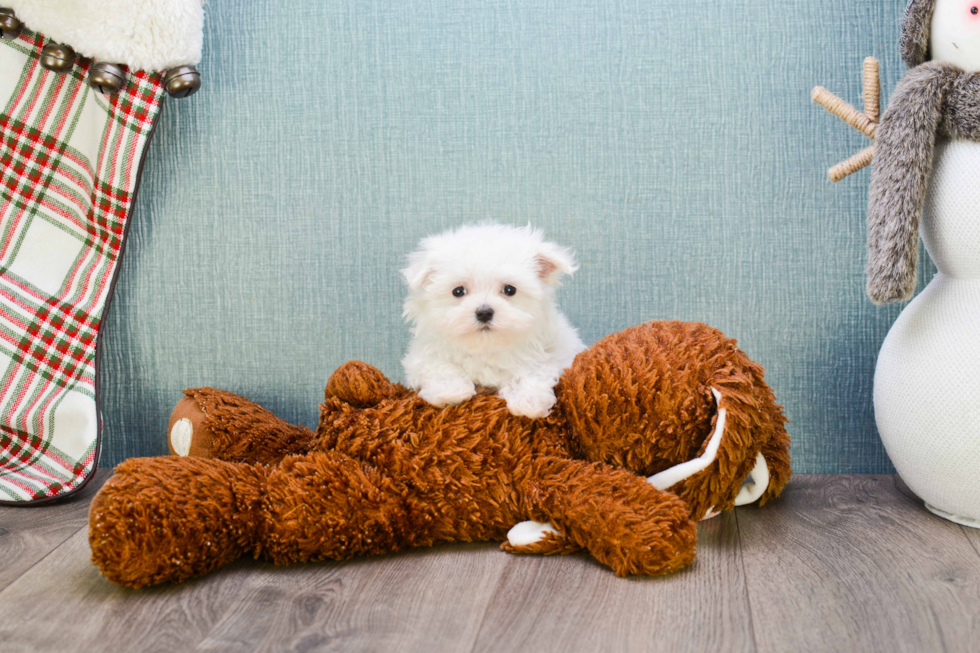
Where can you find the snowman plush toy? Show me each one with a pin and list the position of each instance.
(927, 165)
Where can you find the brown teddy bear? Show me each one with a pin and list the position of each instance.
(676, 402)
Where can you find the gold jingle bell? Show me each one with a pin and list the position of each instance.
(182, 81)
(106, 78)
(57, 57)
(10, 27)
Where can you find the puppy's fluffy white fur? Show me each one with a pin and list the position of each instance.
(526, 344)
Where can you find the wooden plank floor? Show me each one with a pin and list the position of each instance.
(838, 563)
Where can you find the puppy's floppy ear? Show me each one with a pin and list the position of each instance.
(554, 261)
(418, 271)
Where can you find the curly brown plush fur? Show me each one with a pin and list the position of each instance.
(385, 470)
(659, 376)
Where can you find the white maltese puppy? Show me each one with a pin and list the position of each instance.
(481, 303)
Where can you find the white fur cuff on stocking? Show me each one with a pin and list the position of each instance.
(152, 35)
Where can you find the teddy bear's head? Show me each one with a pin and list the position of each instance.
(682, 404)
(640, 398)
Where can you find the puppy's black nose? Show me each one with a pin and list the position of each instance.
(484, 314)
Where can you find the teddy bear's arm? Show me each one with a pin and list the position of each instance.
(622, 520)
(209, 423)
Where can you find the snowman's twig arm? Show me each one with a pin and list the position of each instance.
(865, 122)
(844, 111)
(857, 162)
(872, 90)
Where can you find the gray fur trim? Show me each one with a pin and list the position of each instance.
(903, 160)
(961, 113)
(915, 32)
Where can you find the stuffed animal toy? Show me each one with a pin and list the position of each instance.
(928, 162)
(926, 169)
(384, 470)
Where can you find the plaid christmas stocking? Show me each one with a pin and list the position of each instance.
(70, 160)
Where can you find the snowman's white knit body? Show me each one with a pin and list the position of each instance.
(927, 380)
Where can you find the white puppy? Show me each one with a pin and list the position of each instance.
(482, 308)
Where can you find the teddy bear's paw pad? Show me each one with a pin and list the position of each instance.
(535, 538)
(187, 431)
(529, 532)
(755, 484)
(181, 434)
(551, 544)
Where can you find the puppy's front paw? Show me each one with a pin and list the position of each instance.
(528, 401)
(445, 392)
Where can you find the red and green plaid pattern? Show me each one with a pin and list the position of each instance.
(69, 162)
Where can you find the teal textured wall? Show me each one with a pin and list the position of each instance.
(671, 143)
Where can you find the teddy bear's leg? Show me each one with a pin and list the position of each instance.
(622, 520)
(168, 519)
(326, 505)
(209, 423)
(362, 385)
(771, 472)
(776, 454)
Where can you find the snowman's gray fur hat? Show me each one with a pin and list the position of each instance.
(915, 31)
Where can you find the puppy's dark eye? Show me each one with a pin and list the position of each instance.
(459, 291)
(975, 11)
(510, 291)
